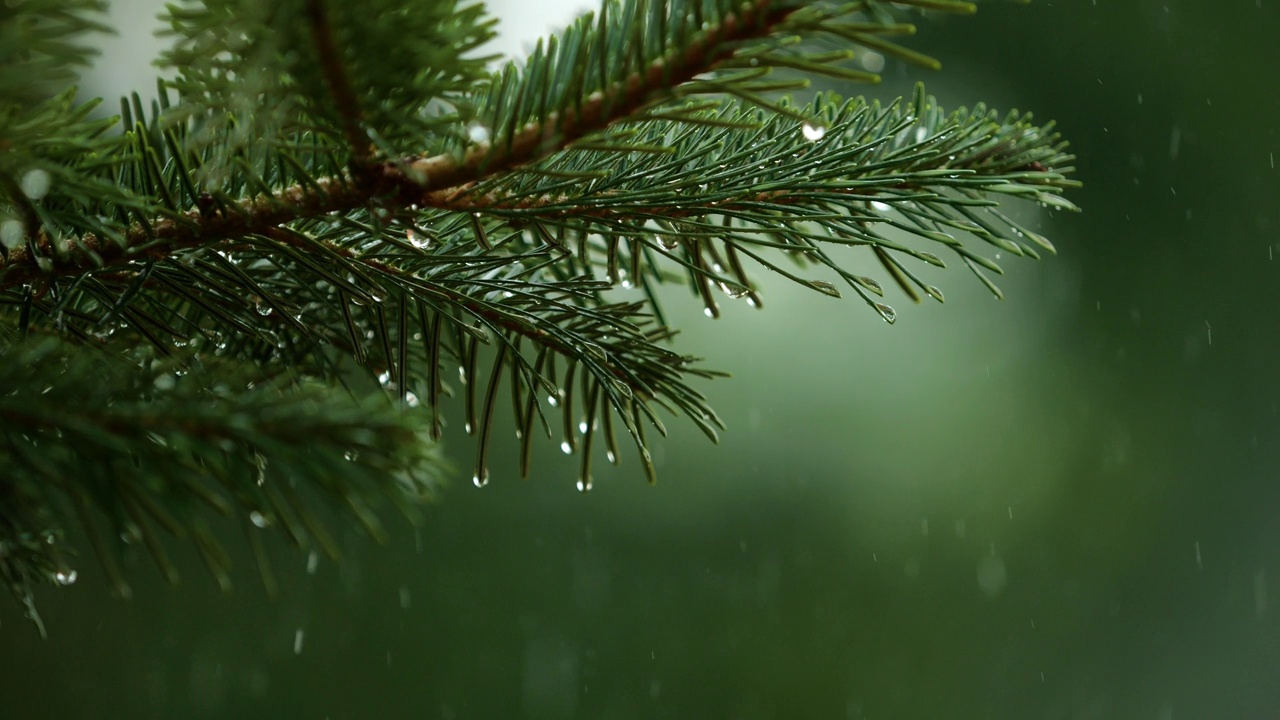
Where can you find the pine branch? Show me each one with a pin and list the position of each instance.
(278, 271)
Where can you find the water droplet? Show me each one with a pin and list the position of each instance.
(582, 426)
(264, 309)
(931, 259)
(882, 207)
(420, 242)
(313, 562)
(886, 312)
(297, 642)
(825, 287)
(165, 382)
(870, 283)
(708, 312)
(565, 447)
(65, 577)
(384, 379)
(477, 133)
(613, 458)
(35, 183)
(552, 400)
(11, 233)
(584, 485)
(813, 133)
(480, 480)
(351, 455)
(667, 242)
(934, 293)
(258, 519)
(993, 575)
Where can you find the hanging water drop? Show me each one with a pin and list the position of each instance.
(35, 183)
(264, 309)
(477, 133)
(825, 287)
(813, 133)
(480, 479)
(11, 233)
(667, 242)
(871, 284)
(552, 400)
(565, 447)
(65, 577)
(931, 259)
(886, 312)
(584, 485)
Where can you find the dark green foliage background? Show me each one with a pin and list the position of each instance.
(1127, 400)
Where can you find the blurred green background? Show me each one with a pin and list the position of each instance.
(1063, 506)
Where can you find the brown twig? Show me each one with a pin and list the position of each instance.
(429, 181)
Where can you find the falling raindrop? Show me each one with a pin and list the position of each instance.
(993, 575)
